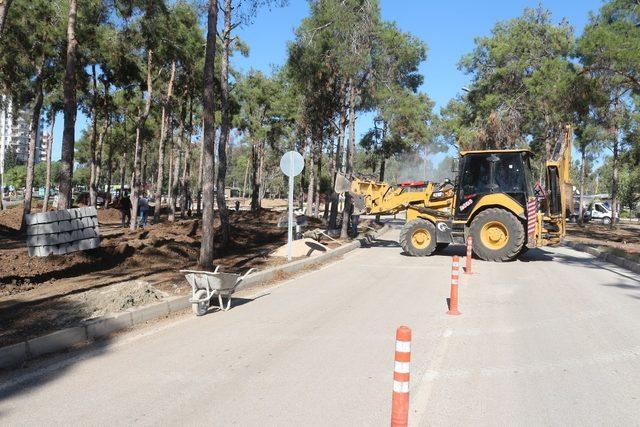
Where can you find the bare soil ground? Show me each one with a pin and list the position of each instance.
(131, 268)
(623, 241)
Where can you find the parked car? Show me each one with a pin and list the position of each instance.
(52, 192)
(83, 198)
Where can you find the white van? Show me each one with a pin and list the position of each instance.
(599, 211)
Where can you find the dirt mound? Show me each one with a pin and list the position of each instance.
(158, 247)
(623, 241)
(10, 221)
(38, 295)
(117, 298)
(28, 321)
(301, 248)
(109, 216)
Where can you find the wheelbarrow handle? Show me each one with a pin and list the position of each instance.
(251, 270)
(200, 272)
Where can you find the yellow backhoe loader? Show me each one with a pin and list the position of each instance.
(494, 199)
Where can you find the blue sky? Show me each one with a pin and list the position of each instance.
(448, 28)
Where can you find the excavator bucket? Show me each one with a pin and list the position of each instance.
(342, 184)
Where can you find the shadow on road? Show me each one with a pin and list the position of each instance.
(235, 302)
(536, 254)
(595, 264)
(379, 243)
(40, 371)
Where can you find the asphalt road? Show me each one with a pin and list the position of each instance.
(552, 339)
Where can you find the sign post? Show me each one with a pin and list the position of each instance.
(291, 164)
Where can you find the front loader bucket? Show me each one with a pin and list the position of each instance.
(342, 184)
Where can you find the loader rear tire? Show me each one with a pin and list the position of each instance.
(498, 235)
(418, 237)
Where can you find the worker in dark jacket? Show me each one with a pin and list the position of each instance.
(125, 210)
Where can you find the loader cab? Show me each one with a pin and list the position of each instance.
(488, 172)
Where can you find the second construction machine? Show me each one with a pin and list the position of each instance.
(495, 199)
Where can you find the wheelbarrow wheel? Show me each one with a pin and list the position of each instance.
(200, 308)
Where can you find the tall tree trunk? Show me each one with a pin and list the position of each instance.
(47, 178)
(332, 169)
(208, 166)
(145, 164)
(583, 159)
(166, 113)
(94, 138)
(349, 158)
(311, 183)
(301, 192)
(170, 177)
(70, 109)
(98, 172)
(615, 176)
(261, 184)
(186, 172)
(123, 172)
(137, 160)
(225, 228)
(124, 158)
(615, 139)
(110, 166)
(33, 137)
(175, 180)
(2, 172)
(198, 208)
(256, 180)
(244, 184)
(316, 208)
(4, 11)
(177, 161)
(342, 124)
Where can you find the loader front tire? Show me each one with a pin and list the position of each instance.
(418, 237)
(497, 234)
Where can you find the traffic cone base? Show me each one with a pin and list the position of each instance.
(467, 268)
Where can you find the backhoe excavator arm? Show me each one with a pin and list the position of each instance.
(559, 190)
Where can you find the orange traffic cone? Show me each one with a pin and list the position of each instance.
(467, 269)
(453, 300)
(400, 399)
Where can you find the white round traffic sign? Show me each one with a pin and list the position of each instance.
(291, 163)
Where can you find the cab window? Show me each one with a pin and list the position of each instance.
(509, 173)
(475, 178)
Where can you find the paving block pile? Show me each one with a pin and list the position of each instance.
(62, 232)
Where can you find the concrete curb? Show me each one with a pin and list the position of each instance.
(296, 266)
(604, 256)
(16, 354)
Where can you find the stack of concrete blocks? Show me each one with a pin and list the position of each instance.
(62, 232)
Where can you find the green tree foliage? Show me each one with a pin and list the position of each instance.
(511, 100)
(266, 119)
(16, 176)
(405, 116)
(608, 49)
